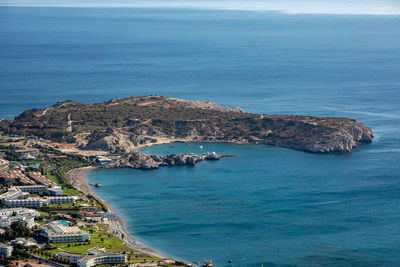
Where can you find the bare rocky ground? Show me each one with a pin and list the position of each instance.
(137, 160)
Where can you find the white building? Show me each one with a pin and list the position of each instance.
(27, 222)
(15, 197)
(56, 232)
(32, 188)
(19, 212)
(12, 194)
(62, 199)
(103, 160)
(27, 202)
(70, 256)
(5, 222)
(5, 250)
(96, 256)
(23, 241)
(24, 216)
(54, 190)
(110, 216)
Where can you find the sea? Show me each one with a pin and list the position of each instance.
(266, 206)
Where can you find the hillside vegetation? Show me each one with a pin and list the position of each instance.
(122, 125)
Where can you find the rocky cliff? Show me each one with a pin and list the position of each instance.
(137, 160)
(122, 125)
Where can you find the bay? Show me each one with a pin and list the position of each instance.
(268, 206)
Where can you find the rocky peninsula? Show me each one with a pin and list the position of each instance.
(124, 125)
(137, 160)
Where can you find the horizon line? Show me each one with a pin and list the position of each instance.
(254, 6)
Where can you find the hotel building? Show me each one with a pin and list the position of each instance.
(56, 232)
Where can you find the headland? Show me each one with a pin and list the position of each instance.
(126, 124)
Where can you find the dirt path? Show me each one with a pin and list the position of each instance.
(44, 111)
(69, 123)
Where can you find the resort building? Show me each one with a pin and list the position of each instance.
(16, 197)
(73, 258)
(19, 212)
(26, 202)
(27, 222)
(62, 199)
(25, 216)
(12, 194)
(96, 256)
(58, 232)
(32, 188)
(5, 250)
(103, 160)
(13, 175)
(55, 190)
(110, 216)
(41, 179)
(24, 242)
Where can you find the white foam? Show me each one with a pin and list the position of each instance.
(367, 7)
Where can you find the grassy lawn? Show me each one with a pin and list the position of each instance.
(53, 251)
(99, 237)
(43, 213)
(70, 192)
(66, 205)
(102, 227)
(52, 177)
(62, 206)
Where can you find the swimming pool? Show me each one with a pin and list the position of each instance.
(64, 223)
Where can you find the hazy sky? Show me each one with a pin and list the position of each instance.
(377, 7)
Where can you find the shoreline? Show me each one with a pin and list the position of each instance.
(117, 228)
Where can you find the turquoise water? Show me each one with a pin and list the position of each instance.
(267, 205)
(63, 223)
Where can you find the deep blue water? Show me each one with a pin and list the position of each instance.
(267, 205)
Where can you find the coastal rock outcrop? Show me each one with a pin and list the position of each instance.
(138, 160)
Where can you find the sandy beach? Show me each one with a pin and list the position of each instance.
(77, 178)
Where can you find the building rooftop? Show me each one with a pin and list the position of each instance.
(41, 179)
(57, 228)
(13, 193)
(99, 252)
